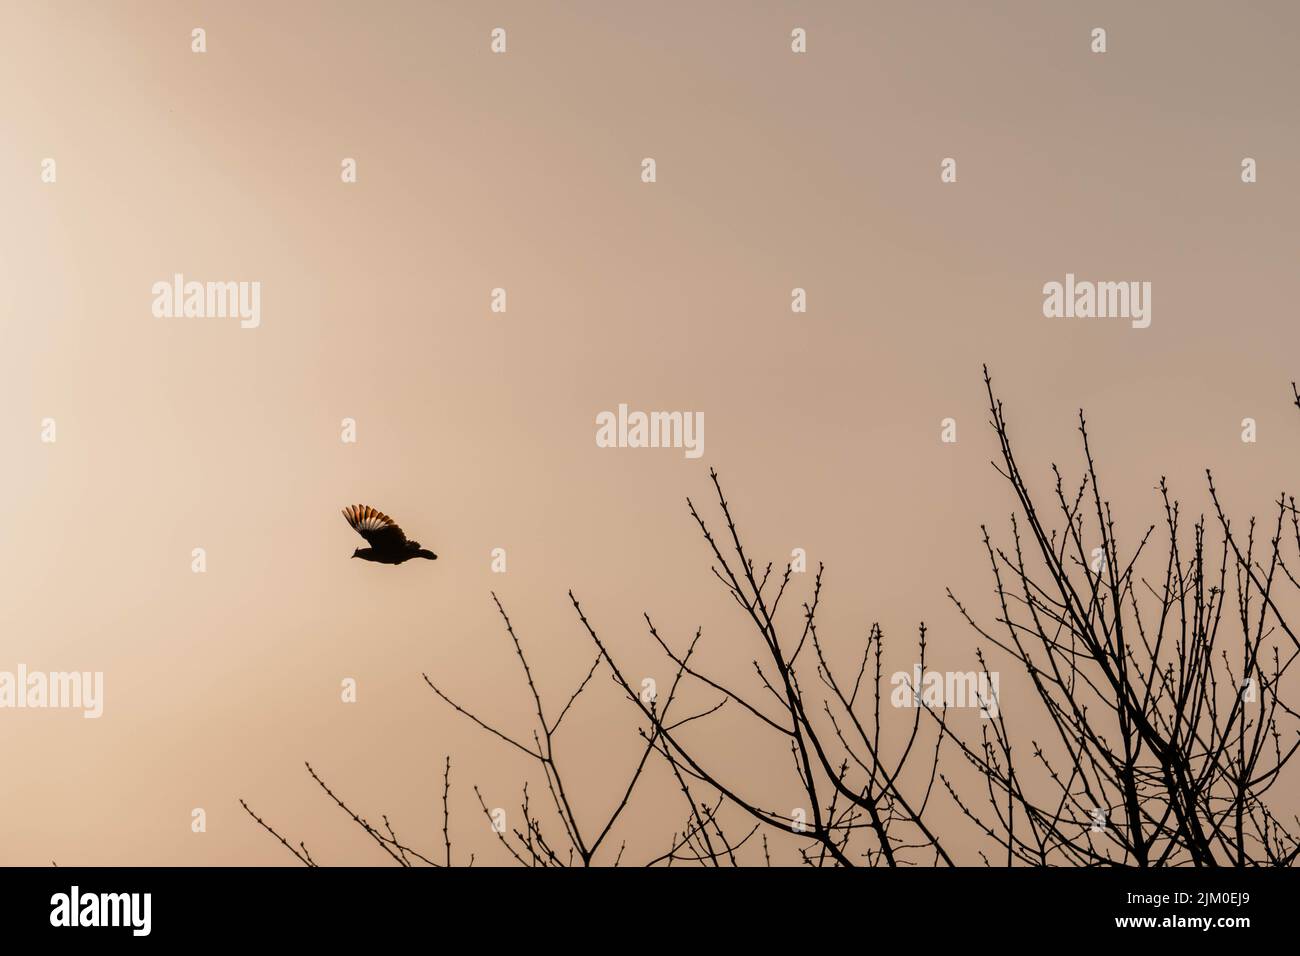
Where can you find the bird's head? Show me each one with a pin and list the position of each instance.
(356, 553)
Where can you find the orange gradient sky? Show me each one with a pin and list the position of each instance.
(476, 430)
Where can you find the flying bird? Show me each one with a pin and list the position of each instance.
(388, 545)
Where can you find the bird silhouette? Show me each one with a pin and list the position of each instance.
(388, 545)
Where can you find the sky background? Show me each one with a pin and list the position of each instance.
(476, 430)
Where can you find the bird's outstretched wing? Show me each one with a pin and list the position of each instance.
(376, 527)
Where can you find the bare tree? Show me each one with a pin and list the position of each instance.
(386, 839)
(1161, 692)
(857, 810)
(530, 845)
